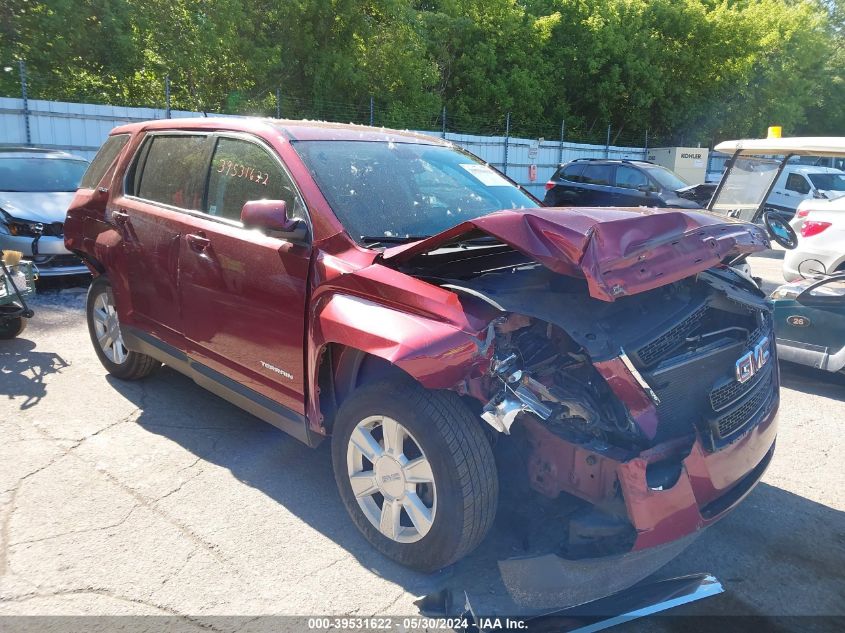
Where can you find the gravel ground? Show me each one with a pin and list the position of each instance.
(158, 498)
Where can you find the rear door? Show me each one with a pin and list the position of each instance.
(163, 186)
(597, 186)
(243, 293)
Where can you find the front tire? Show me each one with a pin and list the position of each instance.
(104, 329)
(415, 472)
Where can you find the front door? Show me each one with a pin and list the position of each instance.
(243, 293)
(630, 183)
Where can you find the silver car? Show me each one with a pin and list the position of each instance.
(36, 187)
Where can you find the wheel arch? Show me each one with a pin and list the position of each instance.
(356, 340)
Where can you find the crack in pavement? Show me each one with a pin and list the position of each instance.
(81, 531)
(100, 591)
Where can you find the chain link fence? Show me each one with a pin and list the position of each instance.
(527, 150)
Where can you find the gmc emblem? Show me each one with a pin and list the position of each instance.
(753, 361)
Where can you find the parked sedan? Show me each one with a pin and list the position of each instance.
(36, 187)
(821, 240)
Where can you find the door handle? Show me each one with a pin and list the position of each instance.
(198, 242)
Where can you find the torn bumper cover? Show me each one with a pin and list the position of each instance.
(666, 517)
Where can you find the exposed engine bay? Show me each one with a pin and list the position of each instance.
(587, 388)
(542, 371)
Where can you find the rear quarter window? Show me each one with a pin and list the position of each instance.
(103, 160)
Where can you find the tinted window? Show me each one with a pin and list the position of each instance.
(242, 171)
(40, 174)
(103, 160)
(630, 177)
(797, 182)
(572, 172)
(386, 189)
(597, 174)
(174, 171)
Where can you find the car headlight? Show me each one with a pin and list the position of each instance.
(19, 228)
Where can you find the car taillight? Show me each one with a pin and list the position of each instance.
(812, 227)
(803, 213)
(550, 185)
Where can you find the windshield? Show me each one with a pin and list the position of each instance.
(744, 186)
(382, 189)
(40, 174)
(828, 182)
(667, 179)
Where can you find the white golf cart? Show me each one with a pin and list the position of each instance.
(751, 173)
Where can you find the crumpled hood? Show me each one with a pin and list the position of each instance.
(618, 251)
(44, 207)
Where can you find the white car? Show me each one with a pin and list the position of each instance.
(805, 182)
(820, 225)
(36, 187)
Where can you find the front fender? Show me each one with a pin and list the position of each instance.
(437, 354)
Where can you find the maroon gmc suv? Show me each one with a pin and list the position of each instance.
(396, 294)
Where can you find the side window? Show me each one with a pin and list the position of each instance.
(797, 182)
(173, 171)
(572, 172)
(630, 177)
(103, 160)
(597, 174)
(242, 171)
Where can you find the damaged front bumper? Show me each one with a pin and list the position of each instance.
(669, 500)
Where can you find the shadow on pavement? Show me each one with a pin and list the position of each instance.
(812, 381)
(775, 542)
(22, 370)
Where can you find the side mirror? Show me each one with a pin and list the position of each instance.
(271, 216)
(646, 189)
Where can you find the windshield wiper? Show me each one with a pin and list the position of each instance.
(373, 240)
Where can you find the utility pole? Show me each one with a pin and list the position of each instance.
(560, 149)
(443, 121)
(25, 97)
(372, 110)
(167, 96)
(507, 138)
(607, 143)
(278, 103)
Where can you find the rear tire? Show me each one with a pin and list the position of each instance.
(10, 327)
(104, 329)
(435, 473)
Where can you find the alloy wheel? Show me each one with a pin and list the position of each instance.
(391, 479)
(107, 328)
